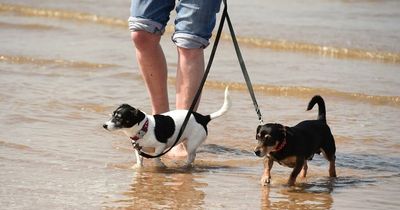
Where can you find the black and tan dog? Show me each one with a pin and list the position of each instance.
(293, 146)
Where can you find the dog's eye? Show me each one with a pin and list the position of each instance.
(116, 117)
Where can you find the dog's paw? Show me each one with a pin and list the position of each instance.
(137, 166)
(265, 180)
(291, 182)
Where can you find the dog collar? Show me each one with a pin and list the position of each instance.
(141, 132)
(280, 146)
(283, 143)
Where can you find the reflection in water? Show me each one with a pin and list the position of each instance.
(303, 196)
(164, 188)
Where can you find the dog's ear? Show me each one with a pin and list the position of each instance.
(124, 106)
(282, 130)
(139, 115)
(280, 127)
(258, 131)
(258, 128)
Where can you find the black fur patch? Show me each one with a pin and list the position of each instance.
(164, 128)
(126, 116)
(202, 120)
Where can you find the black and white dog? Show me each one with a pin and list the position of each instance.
(161, 130)
(293, 146)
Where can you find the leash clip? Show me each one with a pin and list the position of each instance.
(260, 118)
(135, 145)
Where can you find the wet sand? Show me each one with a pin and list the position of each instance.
(65, 66)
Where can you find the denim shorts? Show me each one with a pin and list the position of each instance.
(194, 23)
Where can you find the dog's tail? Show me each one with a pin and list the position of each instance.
(227, 104)
(321, 107)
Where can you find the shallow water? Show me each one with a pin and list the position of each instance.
(65, 65)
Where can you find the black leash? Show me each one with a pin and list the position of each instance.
(203, 81)
(243, 67)
(198, 93)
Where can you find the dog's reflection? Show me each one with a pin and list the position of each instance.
(165, 188)
(305, 196)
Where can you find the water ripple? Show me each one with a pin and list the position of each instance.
(282, 45)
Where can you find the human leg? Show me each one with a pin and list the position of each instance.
(153, 67)
(194, 24)
(147, 24)
(193, 28)
(189, 73)
(188, 77)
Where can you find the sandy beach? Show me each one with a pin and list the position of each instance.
(66, 65)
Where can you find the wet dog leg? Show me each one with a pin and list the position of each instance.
(296, 170)
(139, 160)
(190, 159)
(332, 168)
(266, 177)
(304, 170)
(157, 161)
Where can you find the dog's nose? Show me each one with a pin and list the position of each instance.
(105, 126)
(257, 153)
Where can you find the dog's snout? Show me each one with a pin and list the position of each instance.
(105, 126)
(258, 153)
